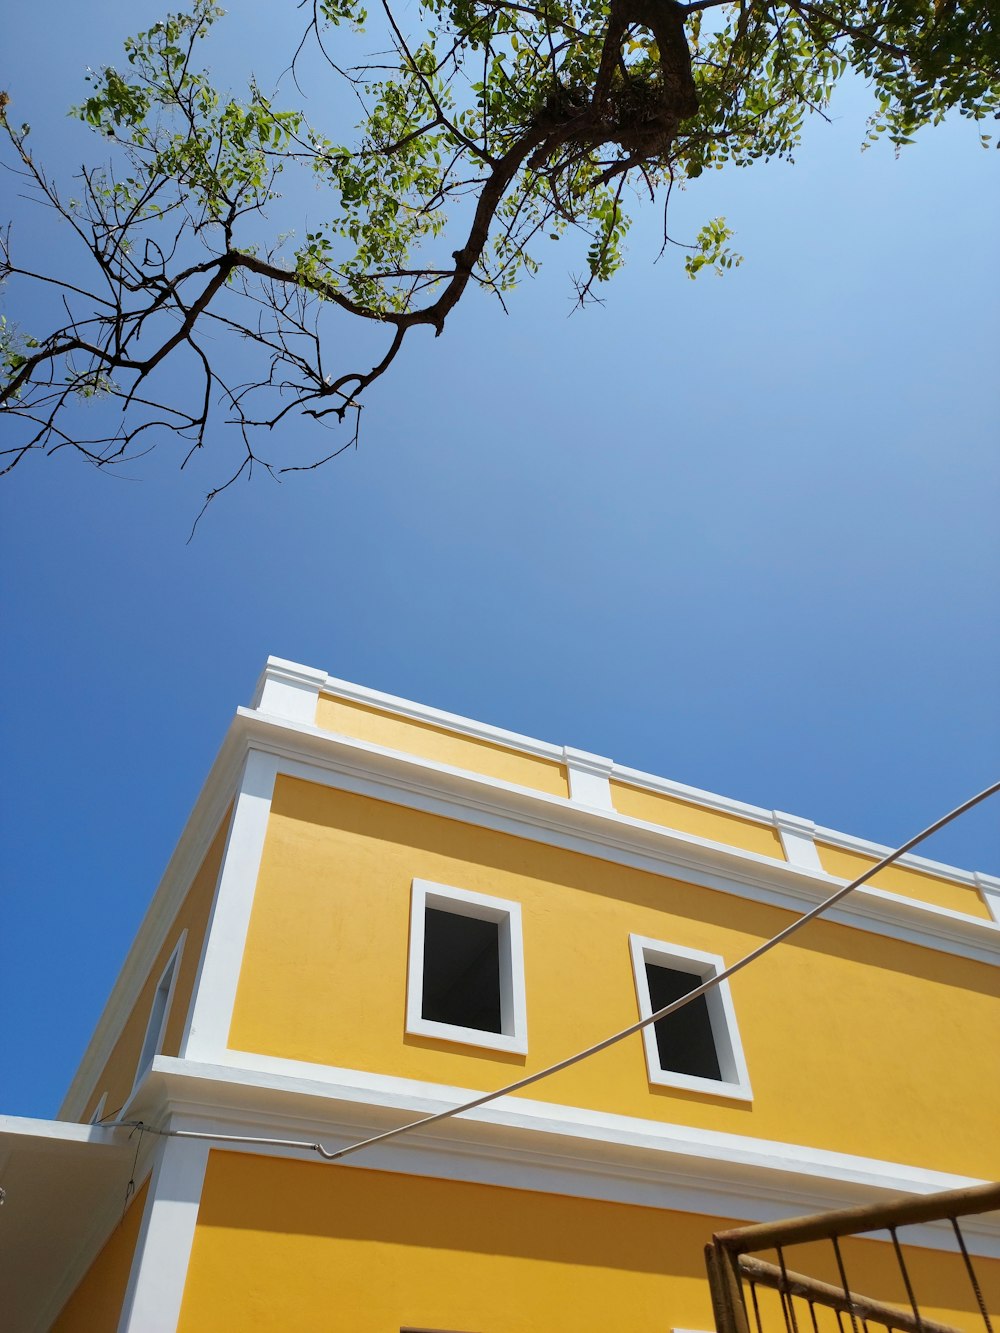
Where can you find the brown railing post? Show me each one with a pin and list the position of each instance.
(726, 1287)
(720, 1311)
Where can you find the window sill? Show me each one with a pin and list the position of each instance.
(487, 1041)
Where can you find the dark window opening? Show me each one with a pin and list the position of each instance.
(684, 1041)
(461, 971)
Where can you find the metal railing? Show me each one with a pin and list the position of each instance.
(736, 1275)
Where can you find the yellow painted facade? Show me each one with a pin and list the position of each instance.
(686, 817)
(360, 1251)
(872, 1024)
(866, 1049)
(441, 745)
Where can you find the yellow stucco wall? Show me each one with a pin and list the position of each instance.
(119, 1071)
(442, 746)
(658, 808)
(358, 1251)
(900, 879)
(294, 1247)
(854, 1042)
(96, 1304)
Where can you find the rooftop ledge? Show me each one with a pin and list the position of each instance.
(290, 692)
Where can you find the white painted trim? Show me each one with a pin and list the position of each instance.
(466, 726)
(211, 1009)
(989, 889)
(159, 1267)
(286, 689)
(404, 779)
(525, 1144)
(159, 1013)
(589, 778)
(98, 1111)
(513, 1006)
(798, 840)
(735, 1081)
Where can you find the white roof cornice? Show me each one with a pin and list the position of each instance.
(406, 779)
(635, 777)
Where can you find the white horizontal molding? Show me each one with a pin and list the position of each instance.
(635, 777)
(526, 1144)
(404, 779)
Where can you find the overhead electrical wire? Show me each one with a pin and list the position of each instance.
(335, 1155)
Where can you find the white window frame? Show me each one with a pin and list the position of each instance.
(735, 1081)
(156, 1024)
(513, 1011)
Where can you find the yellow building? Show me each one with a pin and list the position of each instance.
(377, 910)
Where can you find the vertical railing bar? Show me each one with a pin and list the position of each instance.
(843, 1282)
(972, 1275)
(790, 1316)
(756, 1307)
(786, 1294)
(733, 1279)
(906, 1277)
(812, 1316)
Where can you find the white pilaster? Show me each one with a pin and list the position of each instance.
(210, 1013)
(798, 839)
(589, 778)
(159, 1267)
(989, 887)
(288, 690)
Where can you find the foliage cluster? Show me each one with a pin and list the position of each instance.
(490, 128)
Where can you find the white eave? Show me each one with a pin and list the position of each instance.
(63, 1186)
(518, 1142)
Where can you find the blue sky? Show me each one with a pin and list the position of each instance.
(739, 532)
